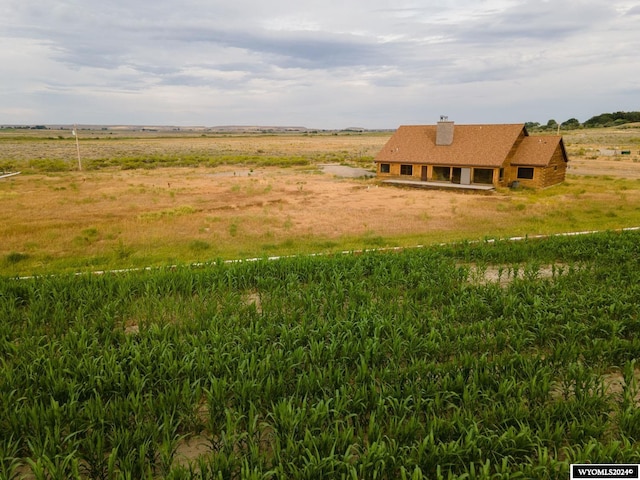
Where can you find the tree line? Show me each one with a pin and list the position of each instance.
(602, 120)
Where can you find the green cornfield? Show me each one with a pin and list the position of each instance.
(481, 360)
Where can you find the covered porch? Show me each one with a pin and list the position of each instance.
(439, 185)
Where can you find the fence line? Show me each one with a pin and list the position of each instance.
(344, 252)
(7, 175)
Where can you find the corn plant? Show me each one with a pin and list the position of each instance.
(379, 365)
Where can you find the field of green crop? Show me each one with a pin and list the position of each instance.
(487, 360)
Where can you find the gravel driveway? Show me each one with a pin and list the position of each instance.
(344, 171)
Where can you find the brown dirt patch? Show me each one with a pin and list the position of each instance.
(506, 274)
(189, 450)
(87, 211)
(616, 168)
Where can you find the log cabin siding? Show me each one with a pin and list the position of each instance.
(509, 176)
(503, 149)
(547, 175)
(555, 172)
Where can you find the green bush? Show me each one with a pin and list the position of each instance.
(15, 257)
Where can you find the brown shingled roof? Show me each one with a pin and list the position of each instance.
(473, 145)
(537, 151)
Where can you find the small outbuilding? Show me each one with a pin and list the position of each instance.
(472, 156)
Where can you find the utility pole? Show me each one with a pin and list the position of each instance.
(75, 134)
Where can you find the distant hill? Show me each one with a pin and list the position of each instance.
(257, 128)
(227, 129)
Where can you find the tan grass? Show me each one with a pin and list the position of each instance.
(94, 146)
(118, 218)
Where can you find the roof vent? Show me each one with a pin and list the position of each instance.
(444, 132)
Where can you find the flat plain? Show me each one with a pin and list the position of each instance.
(145, 199)
(473, 360)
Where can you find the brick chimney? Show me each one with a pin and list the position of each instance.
(444, 132)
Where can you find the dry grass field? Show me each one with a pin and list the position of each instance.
(147, 199)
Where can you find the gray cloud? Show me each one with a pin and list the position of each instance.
(296, 49)
(536, 21)
(197, 61)
(634, 10)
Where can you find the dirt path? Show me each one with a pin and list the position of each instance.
(605, 167)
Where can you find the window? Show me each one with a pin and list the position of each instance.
(385, 168)
(406, 169)
(441, 174)
(483, 175)
(525, 173)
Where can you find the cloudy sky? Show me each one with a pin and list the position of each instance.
(324, 64)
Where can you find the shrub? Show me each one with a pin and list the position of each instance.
(15, 257)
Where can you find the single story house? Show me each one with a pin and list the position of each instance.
(472, 156)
